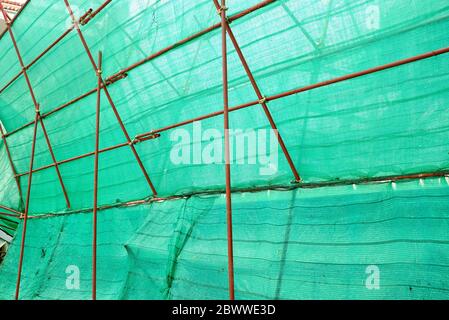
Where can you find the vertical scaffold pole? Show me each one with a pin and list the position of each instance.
(36, 104)
(95, 206)
(27, 208)
(130, 141)
(33, 149)
(260, 96)
(222, 11)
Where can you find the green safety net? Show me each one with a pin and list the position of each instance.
(8, 225)
(388, 123)
(306, 244)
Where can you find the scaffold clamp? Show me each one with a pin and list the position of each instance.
(221, 9)
(152, 136)
(116, 78)
(84, 19)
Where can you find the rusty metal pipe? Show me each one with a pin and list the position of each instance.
(222, 10)
(95, 206)
(260, 97)
(27, 208)
(109, 98)
(147, 59)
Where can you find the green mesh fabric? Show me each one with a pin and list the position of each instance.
(9, 196)
(306, 244)
(392, 122)
(8, 225)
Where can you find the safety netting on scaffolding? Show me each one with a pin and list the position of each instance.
(338, 150)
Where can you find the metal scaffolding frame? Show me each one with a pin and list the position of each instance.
(104, 83)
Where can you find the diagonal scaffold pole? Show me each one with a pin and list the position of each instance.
(222, 11)
(58, 172)
(42, 54)
(130, 141)
(36, 104)
(150, 134)
(89, 17)
(9, 215)
(123, 72)
(95, 206)
(30, 177)
(15, 212)
(260, 96)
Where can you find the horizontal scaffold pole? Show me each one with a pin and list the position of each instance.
(149, 135)
(303, 185)
(122, 73)
(47, 49)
